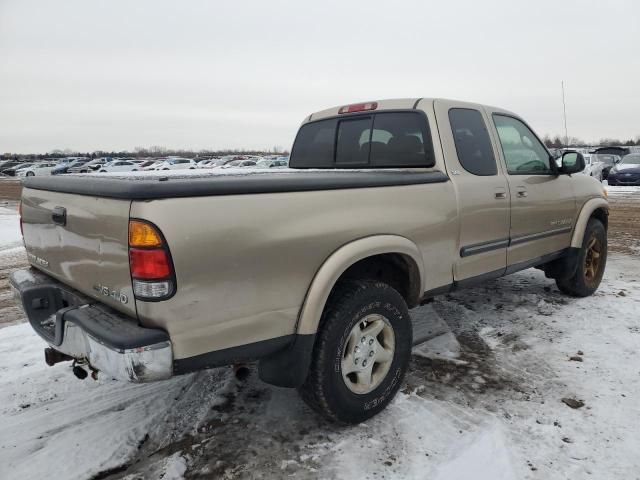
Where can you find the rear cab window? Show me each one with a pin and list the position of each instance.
(391, 139)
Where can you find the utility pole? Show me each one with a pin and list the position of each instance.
(564, 108)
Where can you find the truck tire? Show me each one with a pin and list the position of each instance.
(365, 328)
(591, 261)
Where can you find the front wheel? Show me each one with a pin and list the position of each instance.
(590, 262)
(361, 354)
(30, 174)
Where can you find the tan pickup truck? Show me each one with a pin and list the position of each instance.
(310, 271)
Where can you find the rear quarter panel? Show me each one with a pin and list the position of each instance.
(244, 262)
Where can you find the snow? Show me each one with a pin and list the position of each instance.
(624, 192)
(482, 400)
(175, 467)
(10, 236)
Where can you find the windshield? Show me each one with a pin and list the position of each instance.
(633, 159)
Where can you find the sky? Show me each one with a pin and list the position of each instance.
(117, 74)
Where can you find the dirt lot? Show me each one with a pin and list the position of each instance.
(483, 400)
(10, 188)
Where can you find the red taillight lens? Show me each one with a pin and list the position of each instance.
(149, 264)
(358, 107)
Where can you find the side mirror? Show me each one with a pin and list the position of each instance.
(572, 162)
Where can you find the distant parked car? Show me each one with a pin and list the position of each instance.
(281, 162)
(8, 165)
(66, 167)
(37, 170)
(608, 161)
(143, 164)
(88, 166)
(264, 163)
(239, 164)
(11, 171)
(153, 165)
(609, 156)
(593, 167)
(119, 166)
(626, 171)
(177, 164)
(223, 161)
(207, 163)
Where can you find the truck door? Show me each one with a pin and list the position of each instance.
(481, 189)
(542, 202)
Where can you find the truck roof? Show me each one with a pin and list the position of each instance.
(400, 104)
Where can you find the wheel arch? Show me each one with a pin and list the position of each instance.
(391, 258)
(593, 208)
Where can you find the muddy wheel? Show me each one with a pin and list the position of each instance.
(361, 353)
(591, 262)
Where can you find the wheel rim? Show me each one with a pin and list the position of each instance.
(368, 354)
(592, 260)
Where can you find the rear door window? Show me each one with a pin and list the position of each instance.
(471, 138)
(380, 140)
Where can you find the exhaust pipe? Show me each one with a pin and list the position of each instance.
(241, 371)
(53, 356)
(80, 372)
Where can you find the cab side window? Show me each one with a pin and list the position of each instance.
(524, 154)
(472, 142)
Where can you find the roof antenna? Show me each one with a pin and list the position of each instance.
(564, 108)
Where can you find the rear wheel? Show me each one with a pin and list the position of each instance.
(30, 174)
(591, 261)
(361, 353)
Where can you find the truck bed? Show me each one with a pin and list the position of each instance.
(156, 185)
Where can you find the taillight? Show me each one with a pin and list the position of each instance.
(358, 107)
(150, 262)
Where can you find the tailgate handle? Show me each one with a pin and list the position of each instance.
(59, 216)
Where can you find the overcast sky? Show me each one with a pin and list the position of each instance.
(118, 74)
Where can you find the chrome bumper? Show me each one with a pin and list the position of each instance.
(92, 333)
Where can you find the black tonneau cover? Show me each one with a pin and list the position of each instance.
(146, 187)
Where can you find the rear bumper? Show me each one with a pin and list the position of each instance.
(91, 332)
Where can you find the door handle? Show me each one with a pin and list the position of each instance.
(522, 193)
(59, 216)
(501, 195)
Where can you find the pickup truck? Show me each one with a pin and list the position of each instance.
(310, 271)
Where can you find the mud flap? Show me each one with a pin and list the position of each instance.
(288, 367)
(562, 268)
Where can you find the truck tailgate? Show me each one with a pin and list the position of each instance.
(82, 241)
